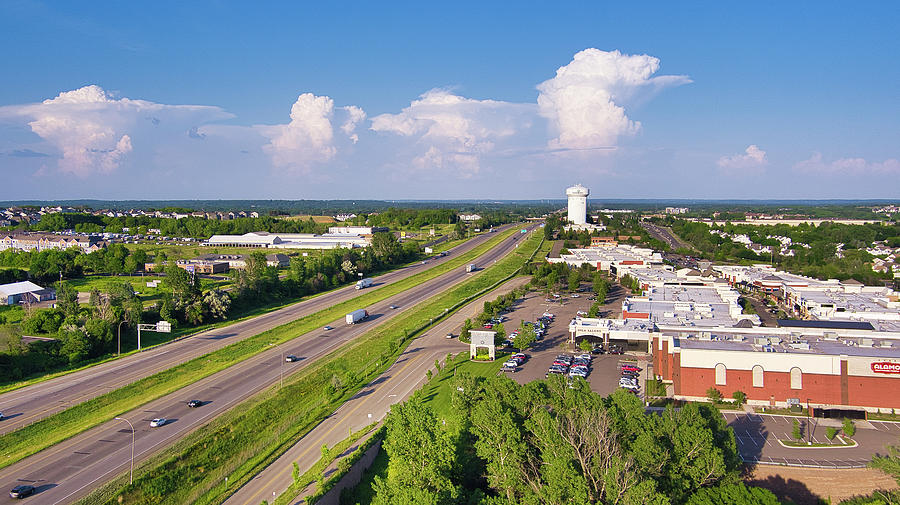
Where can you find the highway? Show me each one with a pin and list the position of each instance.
(370, 405)
(35, 402)
(71, 469)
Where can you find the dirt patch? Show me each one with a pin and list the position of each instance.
(808, 486)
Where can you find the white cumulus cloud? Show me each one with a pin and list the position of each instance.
(585, 102)
(453, 131)
(307, 139)
(93, 131)
(355, 115)
(856, 166)
(751, 159)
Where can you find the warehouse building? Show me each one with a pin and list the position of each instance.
(24, 292)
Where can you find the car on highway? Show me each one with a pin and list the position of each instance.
(290, 358)
(1, 415)
(21, 491)
(326, 328)
(194, 404)
(157, 422)
(394, 307)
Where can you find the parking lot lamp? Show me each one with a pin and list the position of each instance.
(808, 441)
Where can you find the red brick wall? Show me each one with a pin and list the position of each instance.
(874, 391)
(818, 388)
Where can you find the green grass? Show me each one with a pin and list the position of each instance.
(438, 391)
(67, 423)
(147, 295)
(241, 442)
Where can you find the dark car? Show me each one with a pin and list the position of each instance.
(194, 404)
(21, 491)
(290, 358)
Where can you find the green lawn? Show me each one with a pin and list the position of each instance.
(437, 392)
(148, 295)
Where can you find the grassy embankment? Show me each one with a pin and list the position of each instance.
(67, 423)
(246, 439)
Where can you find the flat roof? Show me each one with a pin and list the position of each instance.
(837, 325)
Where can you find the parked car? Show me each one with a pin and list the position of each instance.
(449, 335)
(633, 387)
(521, 357)
(156, 423)
(574, 295)
(290, 358)
(21, 491)
(631, 368)
(194, 404)
(510, 366)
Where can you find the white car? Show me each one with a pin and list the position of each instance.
(634, 387)
(327, 328)
(574, 295)
(156, 423)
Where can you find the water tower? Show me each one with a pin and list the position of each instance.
(578, 204)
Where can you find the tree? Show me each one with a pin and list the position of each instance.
(733, 493)
(714, 395)
(574, 279)
(585, 345)
(849, 427)
(217, 304)
(67, 299)
(526, 336)
(421, 457)
(831, 432)
(740, 397)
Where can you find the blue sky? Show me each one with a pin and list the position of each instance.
(463, 100)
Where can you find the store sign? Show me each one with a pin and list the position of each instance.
(886, 367)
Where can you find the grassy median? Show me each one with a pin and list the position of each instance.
(244, 440)
(58, 427)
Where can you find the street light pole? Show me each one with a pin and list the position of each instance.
(808, 441)
(132, 447)
(282, 368)
(119, 331)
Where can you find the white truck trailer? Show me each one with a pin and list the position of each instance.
(356, 316)
(470, 267)
(364, 283)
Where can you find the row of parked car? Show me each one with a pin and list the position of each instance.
(514, 362)
(630, 378)
(573, 366)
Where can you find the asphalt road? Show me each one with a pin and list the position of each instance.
(33, 403)
(663, 234)
(71, 469)
(370, 405)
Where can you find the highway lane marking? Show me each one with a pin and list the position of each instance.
(328, 432)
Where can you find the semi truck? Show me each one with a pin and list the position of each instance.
(364, 283)
(356, 316)
(470, 267)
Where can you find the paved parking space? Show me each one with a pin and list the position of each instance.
(757, 439)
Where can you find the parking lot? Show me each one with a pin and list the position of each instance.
(757, 437)
(605, 369)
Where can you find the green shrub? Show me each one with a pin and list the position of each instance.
(797, 431)
(740, 397)
(831, 432)
(849, 427)
(714, 395)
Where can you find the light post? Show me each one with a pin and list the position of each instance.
(132, 447)
(808, 441)
(119, 331)
(282, 369)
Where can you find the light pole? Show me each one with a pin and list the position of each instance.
(808, 441)
(282, 369)
(132, 447)
(119, 331)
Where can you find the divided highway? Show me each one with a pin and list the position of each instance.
(72, 469)
(33, 403)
